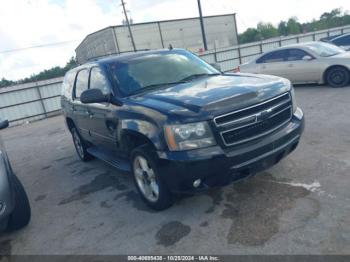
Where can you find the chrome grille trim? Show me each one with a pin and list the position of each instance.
(259, 135)
(246, 108)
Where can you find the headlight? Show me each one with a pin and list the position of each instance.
(294, 102)
(189, 136)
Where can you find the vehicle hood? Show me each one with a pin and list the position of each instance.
(214, 95)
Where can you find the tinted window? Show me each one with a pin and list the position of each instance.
(157, 70)
(276, 56)
(296, 54)
(82, 82)
(99, 81)
(68, 83)
(345, 40)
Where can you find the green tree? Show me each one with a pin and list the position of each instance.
(250, 35)
(293, 27)
(267, 30)
(282, 28)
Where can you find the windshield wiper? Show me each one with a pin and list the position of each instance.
(194, 76)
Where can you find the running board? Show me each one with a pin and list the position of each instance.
(106, 156)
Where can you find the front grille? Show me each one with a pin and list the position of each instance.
(254, 122)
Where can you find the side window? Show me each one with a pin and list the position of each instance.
(296, 54)
(67, 85)
(98, 80)
(276, 56)
(82, 82)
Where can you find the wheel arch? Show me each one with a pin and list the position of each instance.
(70, 123)
(324, 77)
(131, 139)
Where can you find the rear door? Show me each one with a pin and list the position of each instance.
(102, 122)
(80, 111)
(274, 63)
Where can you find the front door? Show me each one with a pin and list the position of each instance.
(102, 122)
(300, 69)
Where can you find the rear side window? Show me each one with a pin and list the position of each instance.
(68, 83)
(273, 57)
(82, 82)
(345, 40)
(98, 80)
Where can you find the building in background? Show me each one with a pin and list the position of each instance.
(181, 33)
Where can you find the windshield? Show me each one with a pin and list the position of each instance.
(324, 49)
(158, 70)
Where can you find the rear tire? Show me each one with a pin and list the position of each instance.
(20, 216)
(338, 77)
(148, 181)
(80, 146)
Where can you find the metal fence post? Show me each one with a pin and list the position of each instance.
(215, 54)
(239, 55)
(41, 101)
(261, 48)
(314, 36)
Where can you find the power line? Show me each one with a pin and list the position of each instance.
(36, 46)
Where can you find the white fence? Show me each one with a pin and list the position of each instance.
(32, 101)
(38, 100)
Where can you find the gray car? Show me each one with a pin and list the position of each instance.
(14, 205)
(313, 62)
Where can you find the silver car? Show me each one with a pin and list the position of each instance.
(314, 62)
(14, 205)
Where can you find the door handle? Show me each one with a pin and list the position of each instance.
(290, 65)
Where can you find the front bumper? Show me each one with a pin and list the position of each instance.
(216, 166)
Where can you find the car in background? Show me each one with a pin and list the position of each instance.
(14, 204)
(313, 62)
(342, 41)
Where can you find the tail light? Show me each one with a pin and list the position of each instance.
(236, 70)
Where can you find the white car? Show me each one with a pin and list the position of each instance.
(314, 62)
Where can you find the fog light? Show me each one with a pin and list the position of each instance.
(197, 183)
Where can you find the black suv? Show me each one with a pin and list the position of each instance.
(177, 123)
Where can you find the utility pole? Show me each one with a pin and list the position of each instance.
(202, 25)
(128, 24)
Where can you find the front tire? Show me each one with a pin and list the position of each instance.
(338, 77)
(80, 146)
(148, 180)
(21, 214)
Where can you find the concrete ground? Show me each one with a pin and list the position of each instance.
(301, 206)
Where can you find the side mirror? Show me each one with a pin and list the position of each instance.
(216, 66)
(307, 58)
(93, 95)
(4, 124)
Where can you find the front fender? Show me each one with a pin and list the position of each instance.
(145, 128)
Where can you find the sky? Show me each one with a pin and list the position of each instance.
(65, 23)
